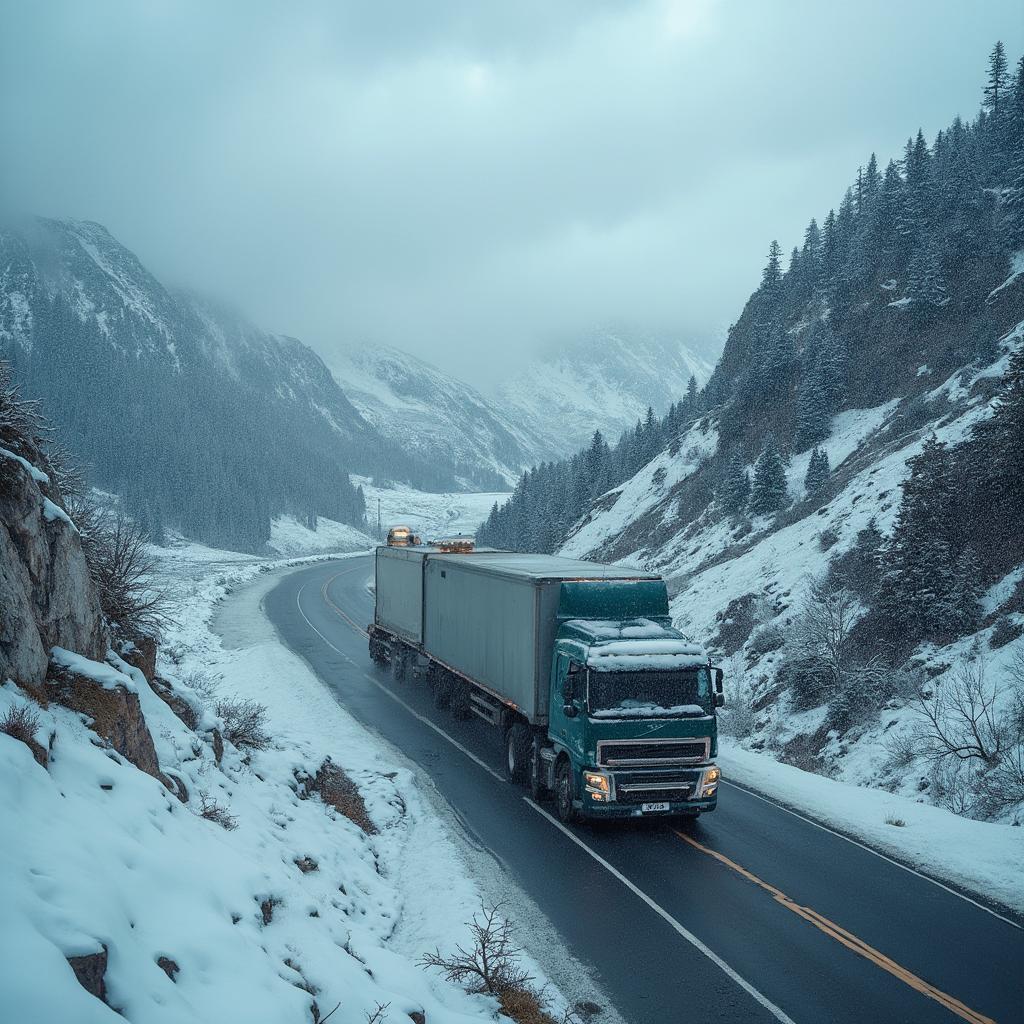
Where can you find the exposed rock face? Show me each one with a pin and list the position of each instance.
(338, 790)
(139, 651)
(116, 716)
(47, 597)
(175, 702)
(90, 970)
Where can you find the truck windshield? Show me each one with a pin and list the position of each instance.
(649, 694)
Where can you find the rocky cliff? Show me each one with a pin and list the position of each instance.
(47, 598)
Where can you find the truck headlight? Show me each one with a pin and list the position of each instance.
(709, 783)
(596, 782)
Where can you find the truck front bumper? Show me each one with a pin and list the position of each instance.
(647, 794)
(676, 809)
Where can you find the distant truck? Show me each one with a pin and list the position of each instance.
(600, 702)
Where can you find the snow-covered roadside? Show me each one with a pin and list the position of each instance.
(977, 856)
(439, 875)
(247, 898)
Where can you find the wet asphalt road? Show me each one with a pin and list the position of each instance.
(749, 914)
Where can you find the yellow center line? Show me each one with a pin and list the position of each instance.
(849, 940)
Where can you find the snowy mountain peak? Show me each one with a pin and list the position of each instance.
(430, 412)
(603, 381)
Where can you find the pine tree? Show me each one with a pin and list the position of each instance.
(768, 493)
(998, 79)
(919, 584)
(926, 286)
(736, 485)
(817, 471)
(691, 396)
(771, 276)
(812, 418)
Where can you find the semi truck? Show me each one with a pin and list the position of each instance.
(600, 703)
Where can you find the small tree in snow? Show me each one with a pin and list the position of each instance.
(817, 471)
(769, 492)
(736, 485)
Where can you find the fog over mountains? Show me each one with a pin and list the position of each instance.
(209, 424)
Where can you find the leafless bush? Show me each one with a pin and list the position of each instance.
(492, 965)
(379, 1015)
(203, 682)
(211, 810)
(22, 426)
(961, 720)
(822, 659)
(738, 716)
(973, 740)
(245, 722)
(123, 569)
(21, 723)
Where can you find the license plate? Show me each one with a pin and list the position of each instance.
(647, 808)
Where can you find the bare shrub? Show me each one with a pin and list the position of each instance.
(737, 718)
(897, 822)
(204, 683)
(973, 740)
(21, 723)
(212, 810)
(123, 569)
(492, 966)
(379, 1015)
(22, 426)
(245, 722)
(960, 719)
(823, 662)
(493, 961)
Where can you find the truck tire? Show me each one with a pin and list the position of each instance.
(378, 651)
(517, 753)
(565, 791)
(536, 772)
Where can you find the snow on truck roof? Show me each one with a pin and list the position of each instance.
(635, 645)
(543, 567)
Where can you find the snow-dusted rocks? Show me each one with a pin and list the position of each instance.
(47, 597)
(110, 700)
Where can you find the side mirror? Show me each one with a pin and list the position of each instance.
(570, 710)
(719, 676)
(719, 700)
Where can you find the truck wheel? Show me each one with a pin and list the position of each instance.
(517, 752)
(537, 788)
(564, 792)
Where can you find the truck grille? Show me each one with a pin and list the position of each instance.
(637, 788)
(616, 753)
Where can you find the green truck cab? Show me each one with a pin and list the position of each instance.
(632, 723)
(600, 703)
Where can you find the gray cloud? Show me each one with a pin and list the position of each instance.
(472, 181)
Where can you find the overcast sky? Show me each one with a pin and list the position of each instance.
(472, 181)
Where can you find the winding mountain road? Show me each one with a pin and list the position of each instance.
(749, 914)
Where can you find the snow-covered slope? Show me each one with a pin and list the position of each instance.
(427, 411)
(605, 381)
(229, 424)
(738, 584)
